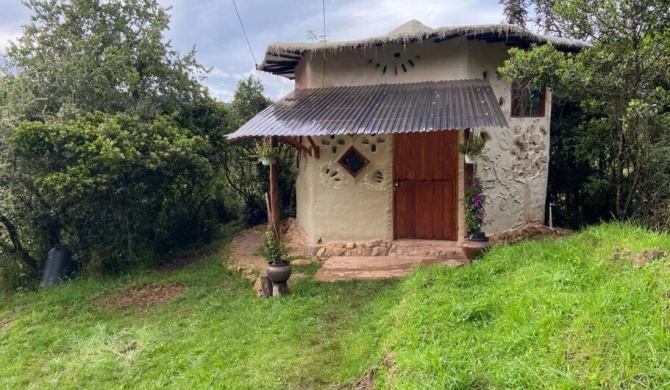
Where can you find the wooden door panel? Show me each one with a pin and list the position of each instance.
(400, 210)
(439, 215)
(425, 171)
(410, 216)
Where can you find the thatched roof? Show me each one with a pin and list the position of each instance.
(282, 58)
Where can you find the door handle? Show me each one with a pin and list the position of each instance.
(396, 183)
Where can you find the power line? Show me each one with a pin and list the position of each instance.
(245, 32)
(323, 70)
(323, 3)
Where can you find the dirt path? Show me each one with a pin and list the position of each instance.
(245, 249)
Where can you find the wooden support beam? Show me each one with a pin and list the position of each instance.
(296, 144)
(290, 56)
(281, 62)
(274, 192)
(315, 147)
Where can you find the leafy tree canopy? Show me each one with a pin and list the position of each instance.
(622, 83)
(79, 56)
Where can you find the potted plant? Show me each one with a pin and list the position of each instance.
(476, 241)
(472, 148)
(264, 152)
(279, 268)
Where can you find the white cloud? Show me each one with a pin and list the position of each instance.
(213, 26)
(6, 36)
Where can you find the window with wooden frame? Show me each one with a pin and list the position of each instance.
(353, 161)
(528, 101)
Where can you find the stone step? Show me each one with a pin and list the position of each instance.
(374, 267)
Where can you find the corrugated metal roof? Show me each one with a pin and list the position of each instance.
(381, 108)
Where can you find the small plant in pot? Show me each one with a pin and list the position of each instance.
(279, 268)
(476, 241)
(264, 152)
(472, 148)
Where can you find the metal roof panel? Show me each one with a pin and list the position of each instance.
(382, 108)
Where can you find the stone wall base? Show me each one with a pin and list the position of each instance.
(387, 248)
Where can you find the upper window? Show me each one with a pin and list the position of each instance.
(527, 101)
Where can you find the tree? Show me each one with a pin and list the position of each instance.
(248, 179)
(544, 18)
(248, 100)
(92, 55)
(515, 11)
(539, 13)
(108, 141)
(621, 82)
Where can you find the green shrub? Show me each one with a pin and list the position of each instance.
(117, 189)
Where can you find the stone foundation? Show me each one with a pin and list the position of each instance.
(437, 249)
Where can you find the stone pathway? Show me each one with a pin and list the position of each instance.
(373, 267)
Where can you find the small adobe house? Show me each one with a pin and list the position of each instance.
(378, 121)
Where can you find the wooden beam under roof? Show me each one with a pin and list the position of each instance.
(296, 144)
(281, 62)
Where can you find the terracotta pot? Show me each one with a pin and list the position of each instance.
(475, 247)
(279, 273)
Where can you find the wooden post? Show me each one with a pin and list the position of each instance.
(279, 289)
(266, 286)
(274, 192)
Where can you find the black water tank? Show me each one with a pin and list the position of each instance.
(59, 266)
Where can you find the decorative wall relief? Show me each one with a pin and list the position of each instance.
(335, 144)
(376, 179)
(505, 139)
(514, 171)
(530, 162)
(371, 143)
(503, 192)
(334, 176)
(373, 176)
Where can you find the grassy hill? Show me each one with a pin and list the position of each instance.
(586, 311)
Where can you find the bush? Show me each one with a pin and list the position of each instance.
(117, 189)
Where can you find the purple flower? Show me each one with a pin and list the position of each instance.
(480, 214)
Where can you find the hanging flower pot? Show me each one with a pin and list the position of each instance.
(472, 148)
(265, 153)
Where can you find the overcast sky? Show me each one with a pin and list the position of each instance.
(213, 27)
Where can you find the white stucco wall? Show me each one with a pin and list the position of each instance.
(513, 170)
(333, 205)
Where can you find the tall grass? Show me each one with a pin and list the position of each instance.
(542, 314)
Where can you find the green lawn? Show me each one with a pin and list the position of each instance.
(217, 335)
(542, 314)
(561, 314)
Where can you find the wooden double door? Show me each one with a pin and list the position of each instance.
(425, 190)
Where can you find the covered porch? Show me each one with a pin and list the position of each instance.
(378, 162)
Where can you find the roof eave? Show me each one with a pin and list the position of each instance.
(290, 54)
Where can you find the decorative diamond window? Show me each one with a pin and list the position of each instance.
(353, 161)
